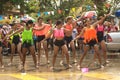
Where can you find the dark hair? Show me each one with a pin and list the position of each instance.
(39, 18)
(22, 21)
(29, 22)
(48, 20)
(58, 22)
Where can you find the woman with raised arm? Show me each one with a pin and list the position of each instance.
(40, 34)
(90, 39)
(27, 42)
(100, 36)
(15, 42)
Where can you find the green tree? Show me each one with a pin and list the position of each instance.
(21, 3)
(6, 5)
(3, 6)
(63, 5)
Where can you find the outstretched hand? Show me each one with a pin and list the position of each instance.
(106, 15)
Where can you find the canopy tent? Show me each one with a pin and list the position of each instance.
(26, 18)
(117, 13)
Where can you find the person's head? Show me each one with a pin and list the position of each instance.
(59, 23)
(40, 19)
(23, 23)
(29, 23)
(69, 19)
(87, 22)
(49, 20)
(16, 22)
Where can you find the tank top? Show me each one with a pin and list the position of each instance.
(90, 34)
(100, 28)
(69, 27)
(14, 35)
(38, 32)
(43, 31)
(58, 33)
(27, 35)
(47, 29)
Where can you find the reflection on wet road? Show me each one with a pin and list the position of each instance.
(93, 72)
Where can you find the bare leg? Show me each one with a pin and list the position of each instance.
(1, 61)
(56, 48)
(65, 51)
(84, 54)
(73, 50)
(46, 50)
(12, 53)
(32, 51)
(97, 53)
(61, 62)
(24, 50)
(80, 45)
(19, 51)
(103, 46)
(39, 52)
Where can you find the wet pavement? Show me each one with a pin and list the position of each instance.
(110, 72)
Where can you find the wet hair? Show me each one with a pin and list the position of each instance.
(39, 18)
(58, 22)
(29, 22)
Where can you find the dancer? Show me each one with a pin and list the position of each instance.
(40, 34)
(59, 42)
(27, 42)
(90, 39)
(100, 37)
(68, 35)
(15, 42)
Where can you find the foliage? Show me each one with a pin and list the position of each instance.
(35, 6)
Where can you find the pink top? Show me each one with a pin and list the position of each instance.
(100, 27)
(58, 33)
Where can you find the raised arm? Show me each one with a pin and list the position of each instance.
(40, 28)
(9, 35)
(50, 32)
(18, 31)
(79, 19)
(81, 33)
(101, 20)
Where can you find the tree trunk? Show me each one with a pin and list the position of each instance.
(22, 7)
(1, 7)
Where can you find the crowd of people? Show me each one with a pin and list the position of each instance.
(83, 33)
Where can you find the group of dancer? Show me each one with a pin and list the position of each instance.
(31, 36)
